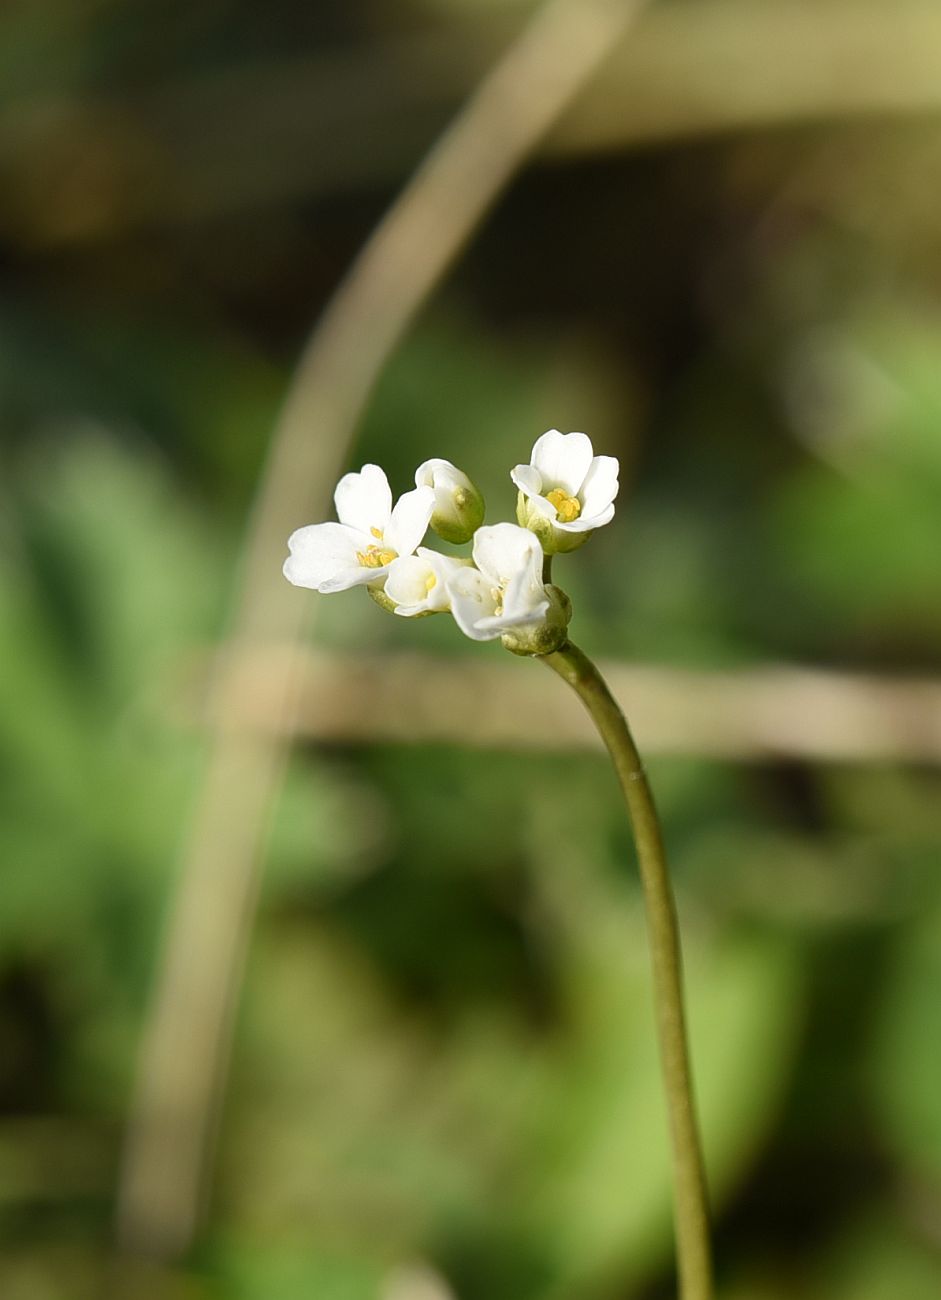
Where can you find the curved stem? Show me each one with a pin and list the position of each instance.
(692, 1220)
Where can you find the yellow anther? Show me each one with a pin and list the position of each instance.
(566, 508)
(377, 533)
(431, 582)
(375, 557)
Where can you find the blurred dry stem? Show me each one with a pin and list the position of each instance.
(88, 168)
(187, 1041)
(747, 714)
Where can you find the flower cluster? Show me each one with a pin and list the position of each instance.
(501, 589)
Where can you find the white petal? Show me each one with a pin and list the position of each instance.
(430, 471)
(473, 603)
(445, 566)
(563, 460)
(357, 577)
(587, 523)
(323, 557)
(507, 622)
(524, 598)
(407, 584)
(502, 551)
(519, 616)
(528, 479)
(600, 486)
(364, 500)
(409, 521)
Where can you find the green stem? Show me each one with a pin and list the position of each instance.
(693, 1252)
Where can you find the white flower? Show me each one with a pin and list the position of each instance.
(418, 584)
(459, 506)
(370, 534)
(505, 591)
(565, 491)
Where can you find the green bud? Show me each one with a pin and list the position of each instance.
(459, 506)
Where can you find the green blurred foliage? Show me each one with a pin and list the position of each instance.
(445, 1050)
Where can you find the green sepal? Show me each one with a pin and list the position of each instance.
(547, 636)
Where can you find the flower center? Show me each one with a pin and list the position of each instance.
(376, 557)
(497, 594)
(566, 508)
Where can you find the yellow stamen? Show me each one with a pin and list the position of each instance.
(377, 533)
(431, 582)
(566, 508)
(375, 557)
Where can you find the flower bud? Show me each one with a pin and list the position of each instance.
(546, 636)
(459, 506)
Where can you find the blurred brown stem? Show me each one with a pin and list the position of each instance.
(187, 1039)
(748, 714)
(693, 1252)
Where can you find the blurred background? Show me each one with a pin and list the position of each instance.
(724, 263)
